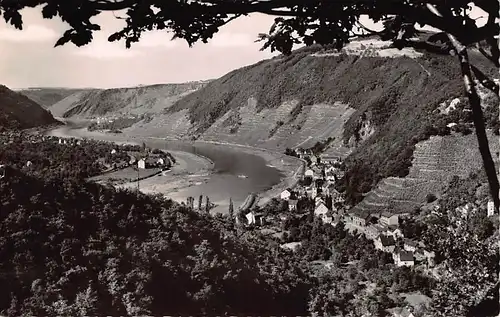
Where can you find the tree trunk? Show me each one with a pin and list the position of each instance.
(478, 119)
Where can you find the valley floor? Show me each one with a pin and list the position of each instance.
(192, 169)
(189, 170)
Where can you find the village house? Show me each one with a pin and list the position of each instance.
(385, 243)
(336, 219)
(329, 168)
(490, 208)
(292, 204)
(401, 312)
(336, 196)
(373, 231)
(330, 176)
(330, 159)
(292, 246)
(113, 151)
(419, 255)
(319, 199)
(360, 218)
(145, 163)
(388, 219)
(255, 218)
(327, 218)
(394, 231)
(403, 258)
(430, 256)
(285, 195)
(321, 211)
(410, 245)
(312, 192)
(319, 183)
(309, 173)
(152, 161)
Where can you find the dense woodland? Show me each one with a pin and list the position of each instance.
(50, 159)
(74, 248)
(19, 112)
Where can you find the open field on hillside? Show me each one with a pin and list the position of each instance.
(129, 174)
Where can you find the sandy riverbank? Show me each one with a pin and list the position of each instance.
(292, 168)
(193, 169)
(189, 170)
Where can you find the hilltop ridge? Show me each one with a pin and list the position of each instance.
(374, 102)
(20, 112)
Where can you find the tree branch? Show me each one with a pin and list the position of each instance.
(485, 81)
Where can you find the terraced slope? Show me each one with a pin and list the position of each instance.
(435, 162)
(376, 102)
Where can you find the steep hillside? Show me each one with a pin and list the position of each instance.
(46, 97)
(122, 102)
(435, 162)
(387, 105)
(71, 248)
(376, 103)
(20, 112)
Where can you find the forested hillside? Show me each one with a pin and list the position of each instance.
(18, 111)
(72, 248)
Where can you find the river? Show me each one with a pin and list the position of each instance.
(224, 181)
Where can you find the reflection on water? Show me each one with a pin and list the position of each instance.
(229, 164)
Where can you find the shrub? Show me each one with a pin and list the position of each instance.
(430, 198)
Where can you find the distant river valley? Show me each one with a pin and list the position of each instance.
(226, 179)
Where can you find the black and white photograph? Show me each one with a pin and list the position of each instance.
(316, 158)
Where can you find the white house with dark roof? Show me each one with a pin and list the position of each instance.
(403, 258)
(254, 218)
(385, 243)
(490, 208)
(292, 204)
(360, 218)
(285, 195)
(410, 245)
(388, 219)
(321, 210)
(309, 173)
(394, 231)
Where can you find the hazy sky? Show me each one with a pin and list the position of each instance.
(28, 58)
